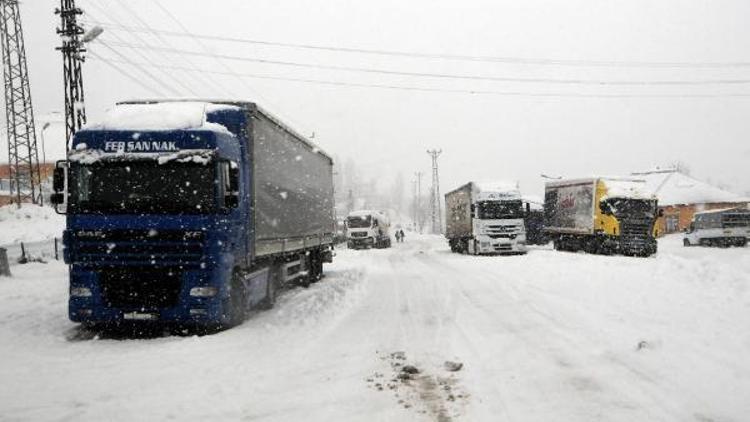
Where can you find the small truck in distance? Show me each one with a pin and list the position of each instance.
(485, 218)
(723, 227)
(368, 229)
(601, 215)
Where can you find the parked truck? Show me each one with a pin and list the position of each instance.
(601, 215)
(191, 213)
(485, 218)
(722, 227)
(368, 229)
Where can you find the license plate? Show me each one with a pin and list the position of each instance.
(139, 316)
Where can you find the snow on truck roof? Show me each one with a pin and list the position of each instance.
(365, 213)
(740, 210)
(617, 187)
(496, 186)
(213, 105)
(159, 117)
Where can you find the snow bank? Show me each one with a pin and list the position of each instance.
(30, 223)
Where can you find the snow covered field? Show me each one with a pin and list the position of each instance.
(550, 336)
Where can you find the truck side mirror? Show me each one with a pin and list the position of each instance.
(528, 209)
(58, 179)
(59, 174)
(231, 176)
(57, 198)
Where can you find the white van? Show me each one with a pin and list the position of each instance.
(724, 227)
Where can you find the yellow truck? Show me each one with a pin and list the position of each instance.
(602, 215)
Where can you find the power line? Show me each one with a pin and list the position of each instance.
(457, 57)
(109, 12)
(445, 75)
(445, 90)
(111, 64)
(218, 58)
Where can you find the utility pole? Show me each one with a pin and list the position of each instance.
(72, 50)
(435, 205)
(23, 156)
(414, 207)
(418, 201)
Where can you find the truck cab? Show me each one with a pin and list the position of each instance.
(486, 218)
(367, 229)
(164, 224)
(723, 227)
(498, 224)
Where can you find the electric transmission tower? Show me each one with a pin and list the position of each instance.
(435, 207)
(72, 49)
(418, 202)
(23, 157)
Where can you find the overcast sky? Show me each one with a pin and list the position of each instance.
(483, 136)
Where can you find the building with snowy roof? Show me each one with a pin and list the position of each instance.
(6, 188)
(681, 196)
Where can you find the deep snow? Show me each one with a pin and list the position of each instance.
(546, 336)
(30, 223)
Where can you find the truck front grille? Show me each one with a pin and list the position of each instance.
(359, 234)
(167, 247)
(636, 228)
(140, 288)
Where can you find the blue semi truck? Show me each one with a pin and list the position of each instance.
(191, 212)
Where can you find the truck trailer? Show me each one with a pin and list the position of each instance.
(190, 212)
(601, 215)
(485, 218)
(368, 229)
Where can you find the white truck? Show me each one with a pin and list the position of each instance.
(367, 229)
(485, 218)
(722, 227)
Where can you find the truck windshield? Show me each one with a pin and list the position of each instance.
(359, 222)
(495, 210)
(736, 220)
(142, 187)
(628, 207)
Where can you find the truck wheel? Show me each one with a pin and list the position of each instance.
(685, 242)
(237, 300)
(270, 300)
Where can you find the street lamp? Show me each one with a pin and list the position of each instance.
(44, 155)
(92, 34)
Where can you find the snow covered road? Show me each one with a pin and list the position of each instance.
(546, 336)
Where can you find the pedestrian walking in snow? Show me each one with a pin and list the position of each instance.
(401, 235)
(398, 236)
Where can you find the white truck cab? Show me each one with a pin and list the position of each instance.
(722, 227)
(486, 218)
(367, 229)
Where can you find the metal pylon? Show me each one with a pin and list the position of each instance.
(23, 157)
(72, 49)
(435, 202)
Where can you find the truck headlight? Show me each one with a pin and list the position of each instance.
(203, 291)
(80, 292)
